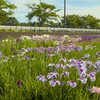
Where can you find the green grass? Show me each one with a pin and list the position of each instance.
(13, 67)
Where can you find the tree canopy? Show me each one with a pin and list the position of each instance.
(44, 12)
(10, 21)
(6, 9)
(86, 21)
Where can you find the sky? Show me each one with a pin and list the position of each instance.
(80, 7)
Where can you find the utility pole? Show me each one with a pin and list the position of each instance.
(64, 13)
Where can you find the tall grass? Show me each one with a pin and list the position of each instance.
(21, 63)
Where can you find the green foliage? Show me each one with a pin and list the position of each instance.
(86, 21)
(43, 12)
(4, 4)
(10, 21)
(91, 21)
(14, 67)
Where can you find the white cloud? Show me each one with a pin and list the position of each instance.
(22, 9)
(90, 0)
(94, 10)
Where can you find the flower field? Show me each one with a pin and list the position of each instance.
(50, 67)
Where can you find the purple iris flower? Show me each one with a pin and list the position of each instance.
(41, 78)
(86, 56)
(22, 49)
(88, 62)
(98, 53)
(62, 83)
(26, 57)
(72, 60)
(82, 71)
(28, 49)
(59, 65)
(52, 75)
(50, 65)
(70, 65)
(92, 76)
(54, 82)
(83, 80)
(63, 59)
(97, 63)
(19, 83)
(65, 73)
(72, 83)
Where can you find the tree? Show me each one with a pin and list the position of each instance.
(86, 21)
(44, 12)
(71, 21)
(92, 22)
(10, 21)
(5, 9)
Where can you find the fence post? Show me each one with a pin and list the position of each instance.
(21, 28)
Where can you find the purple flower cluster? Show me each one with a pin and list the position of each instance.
(62, 72)
(59, 48)
(89, 37)
(82, 69)
(49, 38)
(51, 77)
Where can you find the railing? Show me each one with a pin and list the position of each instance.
(46, 29)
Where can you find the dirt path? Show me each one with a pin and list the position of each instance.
(18, 34)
